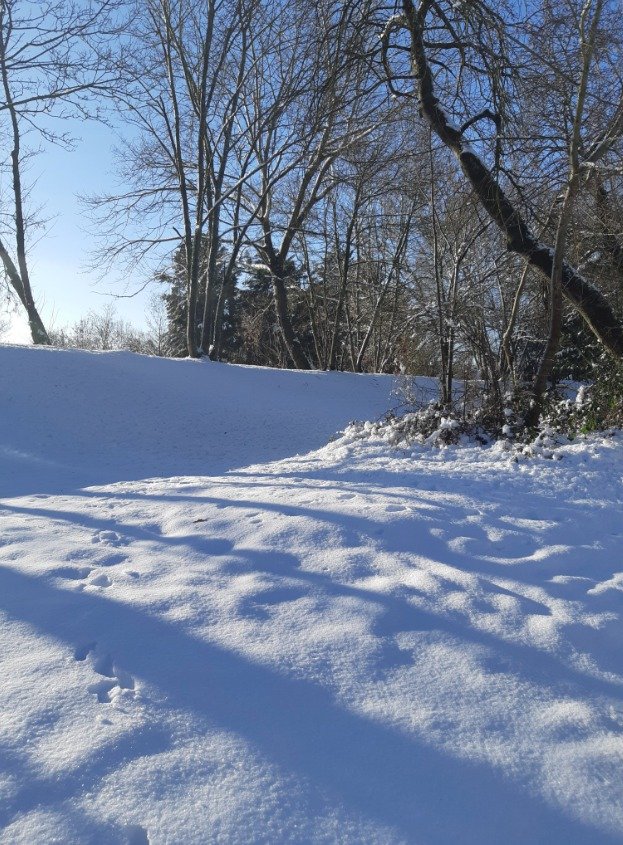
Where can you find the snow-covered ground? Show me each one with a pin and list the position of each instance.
(212, 633)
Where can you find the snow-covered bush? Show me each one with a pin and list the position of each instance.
(435, 425)
(596, 407)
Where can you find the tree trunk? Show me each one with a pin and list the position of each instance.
(290, 339)
(37, 328)
(546, 368)
(19, 278)
(192, 297)
(584, 297)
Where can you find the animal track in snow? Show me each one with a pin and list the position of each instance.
(108, 689)
(137, 835)
(112, 560)
(83, 651)
(114, 681)
(100, 581)
(103, 691)
(79, 554)
(72, 573)
(213, 545)
(260, 605)
(83, 575)
(109, 538)
(103, 666)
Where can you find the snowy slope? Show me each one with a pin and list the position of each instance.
(72, 418)
(354, 645)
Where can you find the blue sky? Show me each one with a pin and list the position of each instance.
(64, 288)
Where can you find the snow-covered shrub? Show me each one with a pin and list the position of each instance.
(434, 425)
(596, 407)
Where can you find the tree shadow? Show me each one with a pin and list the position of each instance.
(415, 789)
(402, 535)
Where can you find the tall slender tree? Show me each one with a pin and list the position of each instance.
(52, 64)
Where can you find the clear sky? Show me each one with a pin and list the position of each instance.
(64, 289)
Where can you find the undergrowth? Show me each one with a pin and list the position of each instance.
(486, 418)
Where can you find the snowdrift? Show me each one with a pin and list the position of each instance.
(73, 418)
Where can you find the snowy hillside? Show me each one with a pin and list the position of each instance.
(76, 418)
(214, 628)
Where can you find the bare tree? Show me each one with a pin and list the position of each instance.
(579, 164)
(50, 68)
(312, 102)
(181, 100)
(471, 36)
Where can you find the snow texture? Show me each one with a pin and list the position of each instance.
(218, 627)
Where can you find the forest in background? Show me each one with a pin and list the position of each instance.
(416, 187)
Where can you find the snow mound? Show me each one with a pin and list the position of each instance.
(73, 418)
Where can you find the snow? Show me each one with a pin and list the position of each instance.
(217, 625)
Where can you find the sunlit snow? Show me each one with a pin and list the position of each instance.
(219, 625)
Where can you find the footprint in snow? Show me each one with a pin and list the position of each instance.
(87, 576)
(114, 681)
(100, 580)
(262, 605)
(72, 573)
(79, 554)
(83, 651)
(109, 538)
(212, 545)
(112, 560)
(136, 835)
(109, 689)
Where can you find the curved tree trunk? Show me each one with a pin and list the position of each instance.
(24, 292)
(19, 276)
(584, 297)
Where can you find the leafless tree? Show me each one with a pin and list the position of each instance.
(312, 102)
(460, 52)
(182, 100)
(50, 67)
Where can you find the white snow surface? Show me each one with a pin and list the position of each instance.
(216, 626)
